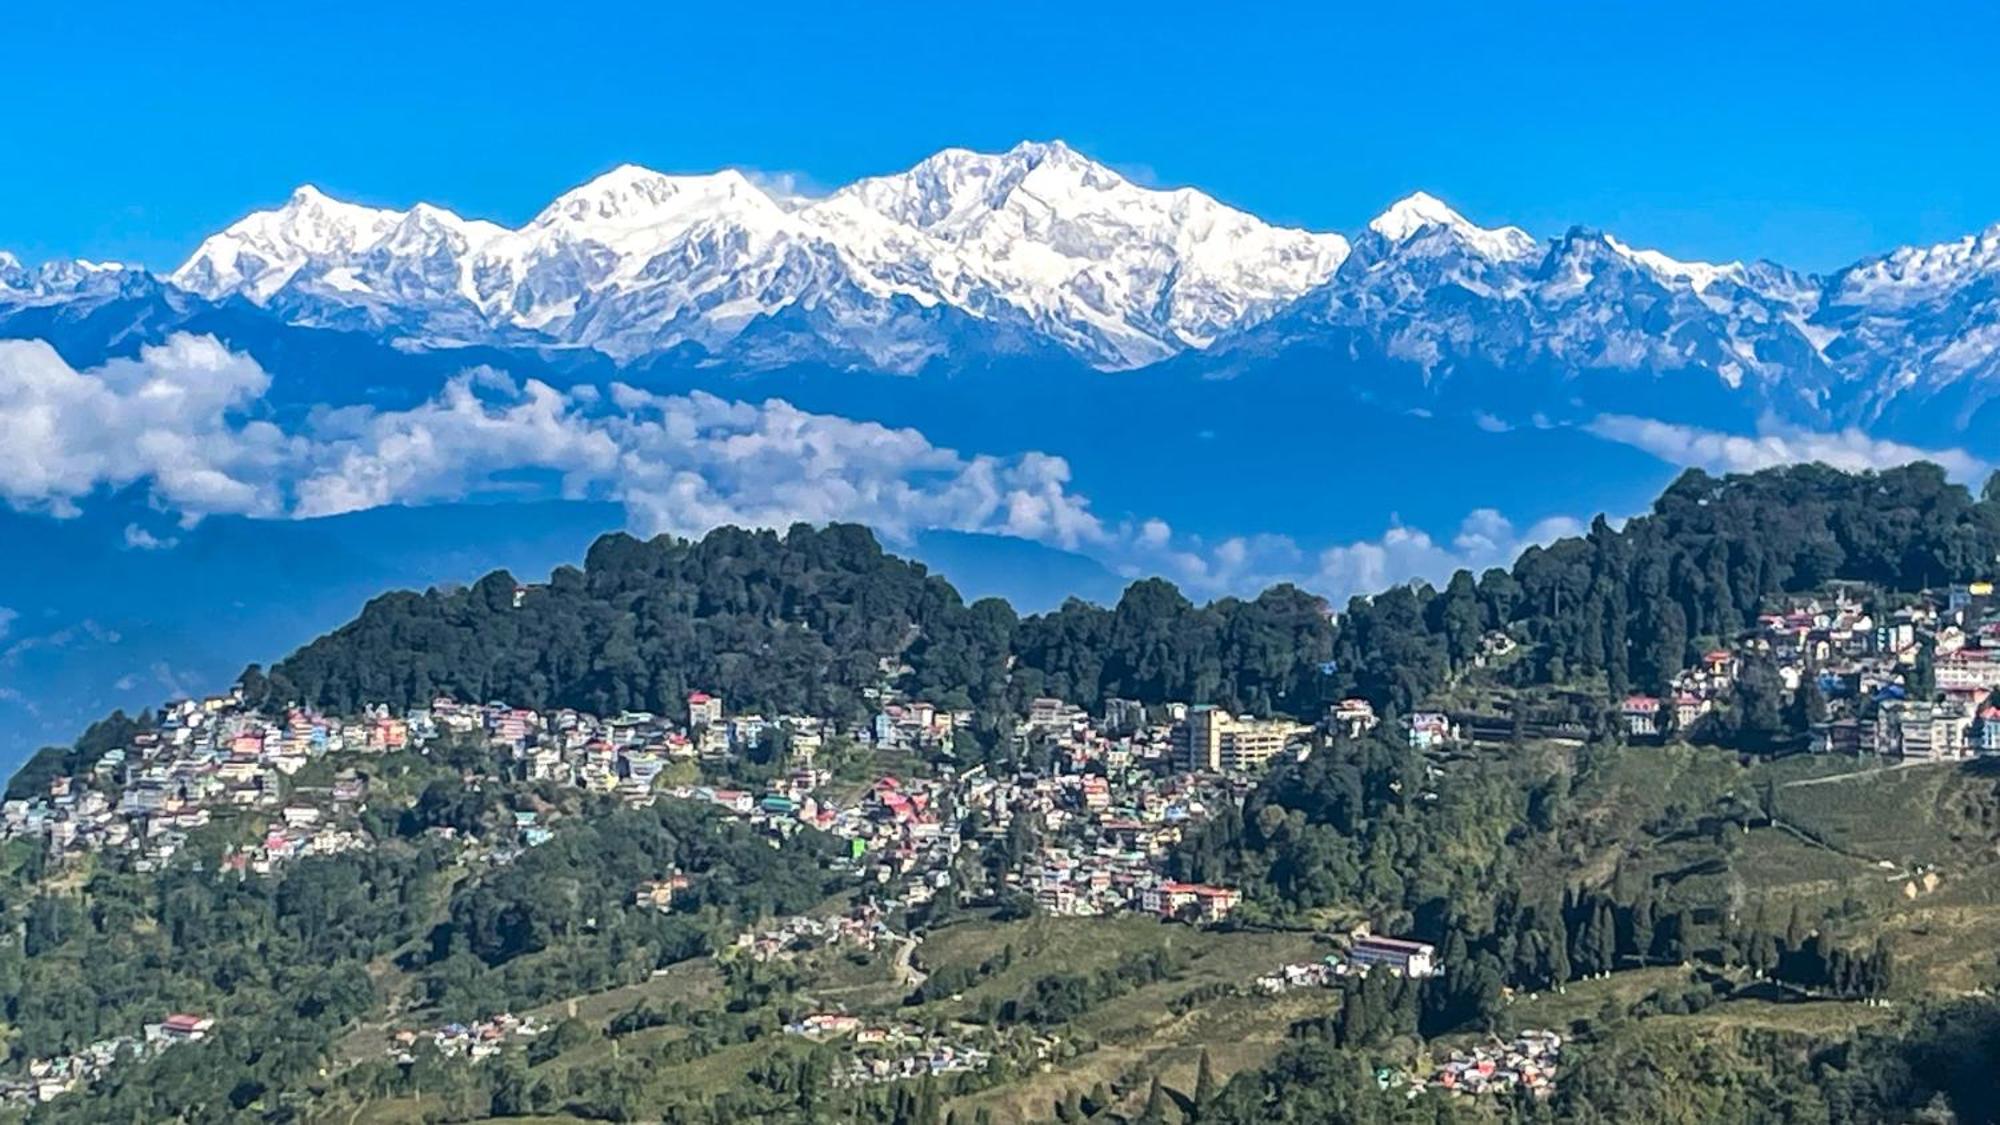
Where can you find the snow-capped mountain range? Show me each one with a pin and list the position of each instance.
(1039, 247)
(1037, 239)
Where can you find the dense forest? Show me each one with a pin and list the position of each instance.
(1636, 604)
(799, 623)
(804, 621)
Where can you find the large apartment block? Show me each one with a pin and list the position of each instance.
(1212, 739)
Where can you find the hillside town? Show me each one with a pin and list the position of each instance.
(270, 788)
(1917, 681)
(44, 1080)
(1086, 817)
(1117, 792)
(1527, 1062)
(892, 1051)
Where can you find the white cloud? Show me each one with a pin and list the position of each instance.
(7, 617)
(1775, 444)
(174, 419)
(177, 421)
(793, 188)
(1247, 564)
(139, 539)
(169, 417)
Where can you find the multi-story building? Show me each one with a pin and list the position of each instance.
(1212, 739)
(1642, 716)
(703, 709)
(1430, 729)
(1920, 730)
(1123, 716)
(1204, 903)
(1969, 670)
(1352, 717)
(1409, 958)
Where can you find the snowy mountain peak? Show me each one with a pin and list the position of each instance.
(259, 253)
(1696, 275)
(318, 221)
(1040, 242)
(1120, 273)
(1039, 245)
(67, 279)
(1916, 275)
(632, 197)
(1412, 213)
(1421, 211)
(1056, 149)
(957, 186)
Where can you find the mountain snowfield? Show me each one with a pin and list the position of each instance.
(637, 262)
(1041, 249)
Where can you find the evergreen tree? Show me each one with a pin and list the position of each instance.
(1808, 707)
(1642, 926)
(1204, 1081)
(1155, 1112)
(1921, 680)
(1604, 938)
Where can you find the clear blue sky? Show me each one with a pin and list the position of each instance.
(1810, 134)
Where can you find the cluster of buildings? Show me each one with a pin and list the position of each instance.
(299, 830)
(1108, 802)
(45, 1080)
(891, 1052)
(1396, 956)
(626, 755)
(1104, 816)
(1104, 839)
(204, 759)
(1868, 665)
(861, 928)
(1529, 1062)
(470, 1041)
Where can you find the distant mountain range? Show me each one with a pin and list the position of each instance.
(1039, 253)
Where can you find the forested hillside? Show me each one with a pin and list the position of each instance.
(1634, 604)
(805, 621)
(798, 623)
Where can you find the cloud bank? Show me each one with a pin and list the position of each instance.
(181, 421)
(1247, 564)
(1775, 445)
(178, 419)
(171, 417)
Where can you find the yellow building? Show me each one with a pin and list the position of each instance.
(1213, 740)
